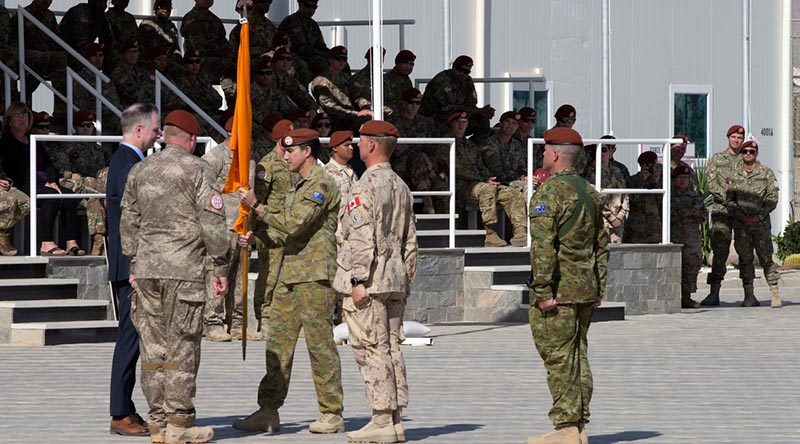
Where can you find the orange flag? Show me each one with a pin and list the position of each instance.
(241, 135)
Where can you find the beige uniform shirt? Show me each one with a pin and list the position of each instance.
(345, 178)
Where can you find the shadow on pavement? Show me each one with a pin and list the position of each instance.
(223, 427)
(622, 437)
(469, 332)
(413, 434)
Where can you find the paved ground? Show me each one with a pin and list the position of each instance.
(726, 375)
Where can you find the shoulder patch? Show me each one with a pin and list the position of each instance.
(317, 197)
(540, 208)
(262, 174)
(353, 204)
(216, 202)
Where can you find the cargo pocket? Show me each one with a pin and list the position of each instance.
(361, 323)
(188, 317)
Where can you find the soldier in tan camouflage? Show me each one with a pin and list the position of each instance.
(379, 218)
(615, 206)
(687, 213)
(168, 251)
(304, 297)
(14, 206)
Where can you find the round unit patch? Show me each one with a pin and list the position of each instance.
(216, 202)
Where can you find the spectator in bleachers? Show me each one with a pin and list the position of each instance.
(306, 37)
(197, 87)
(299, 69)
(619, 165)
(264, 143)
(321, 124)
(265, 96)
(156, 59)
(15, 158)
(14, 203)
(123, 26)
(397, 81)
(42, 54)
(505, 156)
(419, 165)
(566, 116)
(615, 206)
(83, 168)
(330, 89)
(95, 54)
(644, 218)
(261, 28)
(527, 122)
(676, 153)
(300, 118)
(132, 82)
(84, 23)
(204, 32)
(451, 90)
(687, 213)
(361, 84)
(282, 65)
(158, 30)
(474, 181)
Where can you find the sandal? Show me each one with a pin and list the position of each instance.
(55, 251)
(76, 251)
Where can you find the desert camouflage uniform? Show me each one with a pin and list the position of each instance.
(229, 307)
(261, 32)
(443, 95)
(571, 262)
(718, 172)
(296, 91)
(134, 85)
(307, 41)
(330, 91)
(379, 249)
(418, 165)
(685, 229)
(14, 206)
(123, 26)
(644, 218)
(345, 178)
(204, 32)
(81, 26)
(42, 54)
(303, 297)
(168, 251)
(157, 31)
(615, 206)
(394, 84)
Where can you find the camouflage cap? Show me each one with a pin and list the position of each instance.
(405, 56)
(379, 128)
(562, 136)
(681, 170)
(83, 115)
(300, 137)
(183, 120)
(340, 137)
(566, 111)
(737, 129)
(282, 128)
(647, 157)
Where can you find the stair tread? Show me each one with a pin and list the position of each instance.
(495, 250)
(53, 303)
(447, 232)
(34, 282)
(22, 260)
(63, 325)
(605, 305)
(434, 216)
(525, 267)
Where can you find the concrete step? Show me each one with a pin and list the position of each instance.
(37, 289)
(482, 256)
(58, 333)
(19, 267)
(504, 274)
(433, 222)
(439, 238)
(608, 311)
(53, 310)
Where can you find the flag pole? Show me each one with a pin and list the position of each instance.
(245, 250)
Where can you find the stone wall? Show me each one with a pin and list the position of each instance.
(437, 294)
(92, 273)
(647, 278)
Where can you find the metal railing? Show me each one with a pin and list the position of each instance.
(35, 196)
(666, 185)
(100, 100)
(8, 76)
(162, 79)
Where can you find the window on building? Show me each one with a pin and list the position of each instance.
(540, 102)
(691, 116)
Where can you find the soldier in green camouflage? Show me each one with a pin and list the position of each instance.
(506, 156)
(204, 32)
(95, 54)
(527, 123)
(304, 297)
(718, 170)
(281, 65)
(133, 83)
(361, 85)
(84, 23)
(452, 90)
(168, 252)
(568, 280)
(261, 29)
(159, 30)
(750, 196)
(197, 87)
(42, 54)
(687, 212)
(265, 95)
(306, 37)
(331, 91)
(644, 218)
(397, 81)
(615, 206)
(677, 151)
(123, 26)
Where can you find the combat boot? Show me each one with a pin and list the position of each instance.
(97, 245)
(379, 430)
(712, 300)
(158, 434)
(217, 334)
(397, 419)
(6, 249)
(327, 423)
(236, 334)
(776, 296)
(566, 435)
(263, 420)
(492, 239)
(749, 298)
(688, 302)
(187, 435)
(520, 238)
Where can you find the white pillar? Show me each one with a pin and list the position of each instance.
(786, 132)
(377, 60)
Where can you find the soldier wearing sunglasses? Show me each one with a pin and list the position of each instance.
(450, 90)
(306, 37)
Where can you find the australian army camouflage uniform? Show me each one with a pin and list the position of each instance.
(686, 215)
(168, 251)
(14, 206)
(569, 243)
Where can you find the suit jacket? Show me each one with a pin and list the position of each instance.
(121, 163)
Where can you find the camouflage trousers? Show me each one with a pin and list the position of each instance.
(560, 337)
(14, 206)
(95, 208)
(269, 264)
(511, 199)
(168, 314)
(757, 238)
(48, 64)
(227, 309)
(721, 230)
(691, 261)
(308, 306)
(376, 331)
(418, 171)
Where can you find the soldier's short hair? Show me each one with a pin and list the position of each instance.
(388, 143)
(569, 153)
(138, 113)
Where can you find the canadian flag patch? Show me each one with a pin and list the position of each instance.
(353, 204)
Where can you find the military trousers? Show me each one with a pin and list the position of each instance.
(269, 265)
(376, 331)
(306, 305)
(14, 206)
(757, 238)
(721, 231)
(168, 314)
(227, 309)
(691, 261)
(511, 199)
(95, 208)
(560, 337)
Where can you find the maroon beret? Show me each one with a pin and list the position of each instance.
(541, 174)
(750, 144)
(282, 128)
(527, 113)
(340, 137)
(337, 51)
(280, 52)
(647, 157)
(457, 115)
(566, 111)
(299, 137)
(83, 115)
(405, 56)
(368, 54)
(155, 51)
(41, 118)
(379, 128)
(269, 121)
(463, 60)
(681, 170)
(410, 94)
(299, 114)
(262, 63)
(183, 120)
(162, 4)
(738, 129)
(562, 136)
(320, 116)
(129, 43)
(92, 49)
(280, 38)
(510, 115)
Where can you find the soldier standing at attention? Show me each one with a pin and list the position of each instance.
(379, 218)
(750, 196)
(304, 297)
(568, 280)
(168, 251)
(687, 213)
(718, 171)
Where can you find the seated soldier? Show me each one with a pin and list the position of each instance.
(504, 155)
(644, 219)
(527, 123)
(198, 88)
(361, 85)
(451, 90)
(300, 118)
(265, 96)
(331, 91)
(474, 181)
(397, 81)
(288, 83)
(322, 125)
(95, 54)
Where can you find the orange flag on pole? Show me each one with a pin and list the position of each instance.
(241, 135)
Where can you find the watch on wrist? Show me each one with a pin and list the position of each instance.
(356, 281)
(255, 206)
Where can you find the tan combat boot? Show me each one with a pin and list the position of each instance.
(520, 238)
(158, 434)
(776, 296)
(327, 423)
(97, 245)
(263, 420)
(397, 419)
(6, 249)
(712, 300)
(379, 430)
(492, 239)
(187, 435)
(566, 435)
(749, 298)
(217, 334)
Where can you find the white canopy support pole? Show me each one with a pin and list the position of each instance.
(377, 60)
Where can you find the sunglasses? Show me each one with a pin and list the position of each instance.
(193, 62)
(265, 73)
(310, 5)
(341, 58)
(749, 151)
(415, 102)
(87, 125)
(528, 120)
(606, 149)
(323, 125)
(285, 59)
(463, 70)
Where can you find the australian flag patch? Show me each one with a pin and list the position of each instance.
(540, 208)
(317, 197)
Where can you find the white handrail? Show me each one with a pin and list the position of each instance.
(161, 78)
(8, 76)
(99, 101)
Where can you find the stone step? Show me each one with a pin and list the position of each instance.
(37, 289)
(54, 310)
(504, 274)
(439, 238)
(58, 333)
(433, 222)
(19, 267)
(483, 256)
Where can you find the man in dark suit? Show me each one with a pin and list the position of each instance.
(140, 129)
